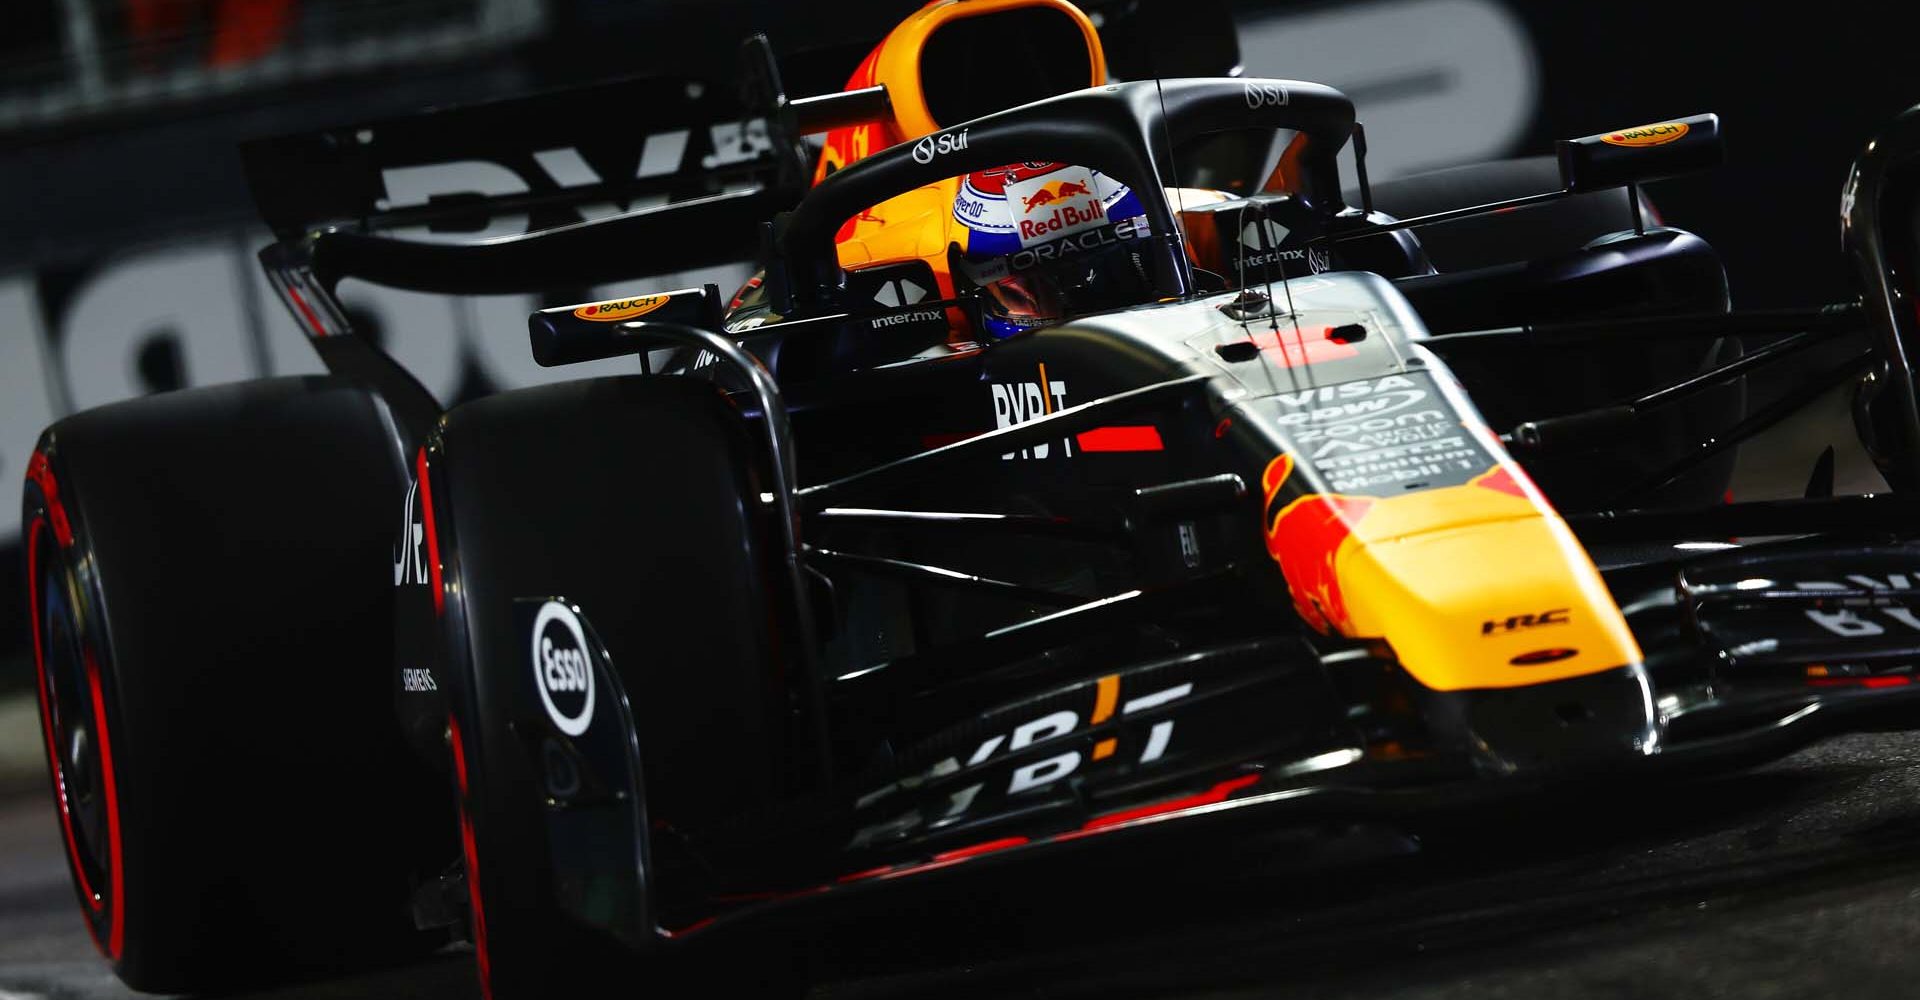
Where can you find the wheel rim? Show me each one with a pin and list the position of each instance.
(74, 747)
(73, 718)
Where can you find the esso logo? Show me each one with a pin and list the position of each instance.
(935, 145)
(1266, 95)
(562, 669)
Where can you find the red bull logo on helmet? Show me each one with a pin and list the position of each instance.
(1021, 205)
(1055, 204)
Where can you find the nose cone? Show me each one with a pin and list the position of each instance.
(1571, 723)
(1503, 603)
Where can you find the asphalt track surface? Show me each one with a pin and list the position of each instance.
(1800, 878)
(1797, 879)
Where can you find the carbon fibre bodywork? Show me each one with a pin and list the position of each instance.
(830, 594)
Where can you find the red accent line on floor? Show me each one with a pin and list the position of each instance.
(1217, 793)
(869, 873)
(978, 849)
(692, 928)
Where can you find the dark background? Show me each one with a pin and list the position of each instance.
(121, 143)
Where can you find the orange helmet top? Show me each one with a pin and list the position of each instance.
(931, 65)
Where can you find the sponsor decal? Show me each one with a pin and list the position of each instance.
(1016, 403)
(417, 679)
(916, 316)
(1516, 623)
(615, 310)
(1266, 95)
(1542, 656)
(1092, 239)
(1260, 246)
(562, 668)
(1381, 436)
(899, 292)
(1869, 616)
(932, 146)
(410, 551)
(1106, 705)
(1012, 207)
(1303, 538)
(1647, 135)
(1058, 202)
(981, 204)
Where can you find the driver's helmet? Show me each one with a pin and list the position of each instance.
(1043, 241)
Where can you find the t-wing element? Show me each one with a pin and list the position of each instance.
(1641, 154)
(590, 331)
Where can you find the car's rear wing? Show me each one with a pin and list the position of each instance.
(621, 145)
(582, 186)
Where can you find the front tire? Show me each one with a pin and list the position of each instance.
(635, 500)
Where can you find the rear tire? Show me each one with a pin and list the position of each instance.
(211, 639)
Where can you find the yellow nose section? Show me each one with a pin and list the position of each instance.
(1491, 604)
(1480, 585)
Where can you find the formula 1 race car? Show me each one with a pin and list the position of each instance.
(1073, 470)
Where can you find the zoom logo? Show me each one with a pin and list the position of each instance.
(562, 670)
(1266, 95)
(938, 145)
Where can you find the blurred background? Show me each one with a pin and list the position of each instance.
(127, 235)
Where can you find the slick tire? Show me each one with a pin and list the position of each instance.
(210, 628)
(634, 500)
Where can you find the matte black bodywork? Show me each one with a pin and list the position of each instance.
(993, 598)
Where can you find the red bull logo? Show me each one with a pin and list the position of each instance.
(1304, 537)
(1054, 192)
(1065, 217)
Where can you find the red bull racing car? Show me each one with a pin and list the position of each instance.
(1086, 466)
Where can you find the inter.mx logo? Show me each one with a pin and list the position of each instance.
(1016, 403)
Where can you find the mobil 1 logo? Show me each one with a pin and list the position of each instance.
(1380, 436)
(562, 663)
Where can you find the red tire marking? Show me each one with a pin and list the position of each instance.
(481, 957)
(1217, 793)
(117, 935)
